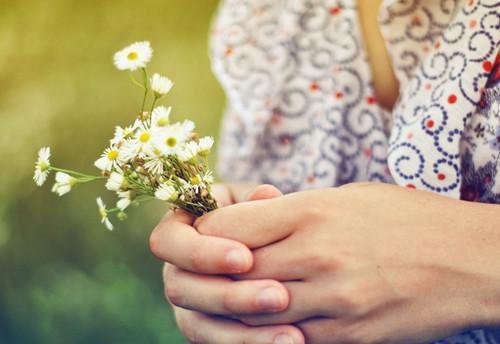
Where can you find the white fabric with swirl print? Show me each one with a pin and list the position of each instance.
(301, 111)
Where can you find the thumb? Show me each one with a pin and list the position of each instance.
(264, 191)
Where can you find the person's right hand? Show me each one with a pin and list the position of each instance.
(192, 278)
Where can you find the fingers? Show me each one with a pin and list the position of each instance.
(221, 295)
(203, 329)
(286, 260)
(174, 240)
(264, 191)
(222, 194)
(254, 224)
(304, 304)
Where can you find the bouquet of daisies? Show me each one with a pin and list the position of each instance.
(151, 159)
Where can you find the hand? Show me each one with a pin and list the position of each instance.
(177, 242)
(367, 263)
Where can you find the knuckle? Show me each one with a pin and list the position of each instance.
(348, 301)
(230, 301)
(173, 294)
(208, 225)
(318, 262)
(195, 260)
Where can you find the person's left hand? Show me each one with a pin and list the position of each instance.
(367, 263)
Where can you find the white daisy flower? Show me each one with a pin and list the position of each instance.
(124, 200)
(143, 137)
(104, 213)
(205, 145)
(169, 139)
(112, 157)
(136, 55)
(187, 128)
(42, 166)
(187, 151)
(160, 85)
(160, 117)
(129, 150)
(154, 166)
(166, 192)
(64, 183)
(122, 134)
(154, 158)
(116, 181)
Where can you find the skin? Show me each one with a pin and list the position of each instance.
(364, 263)
(419, 274)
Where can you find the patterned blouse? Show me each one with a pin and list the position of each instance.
(301, 111)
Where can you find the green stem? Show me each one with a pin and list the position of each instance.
(146, 89)
(134, 81)
(77, 174)
(152, 108)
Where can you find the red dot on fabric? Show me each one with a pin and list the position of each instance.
(368, 152)
(411, 186)
(437, 45)
(371, 100)
(428, 86)
(409, 136)
(311, 179)
(416, 20)
(452, 99)
(285, 140)
(339, 95)
(487, 66)
(441, 176)
(314, 86)
(430, 123)
(334, 10)
(472, 23)
(229, 51)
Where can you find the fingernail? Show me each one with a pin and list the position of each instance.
(283, 339)
(237, 261)
(271, 299)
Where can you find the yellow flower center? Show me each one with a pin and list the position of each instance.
(162, 122)
(171, 141)
(103, 213)
(195, 180)
(112, 155)
(44, 166)
(144, 137)
(132, 55)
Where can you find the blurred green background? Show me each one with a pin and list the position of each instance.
(63, 277)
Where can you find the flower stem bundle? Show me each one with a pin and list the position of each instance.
(151, 159)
